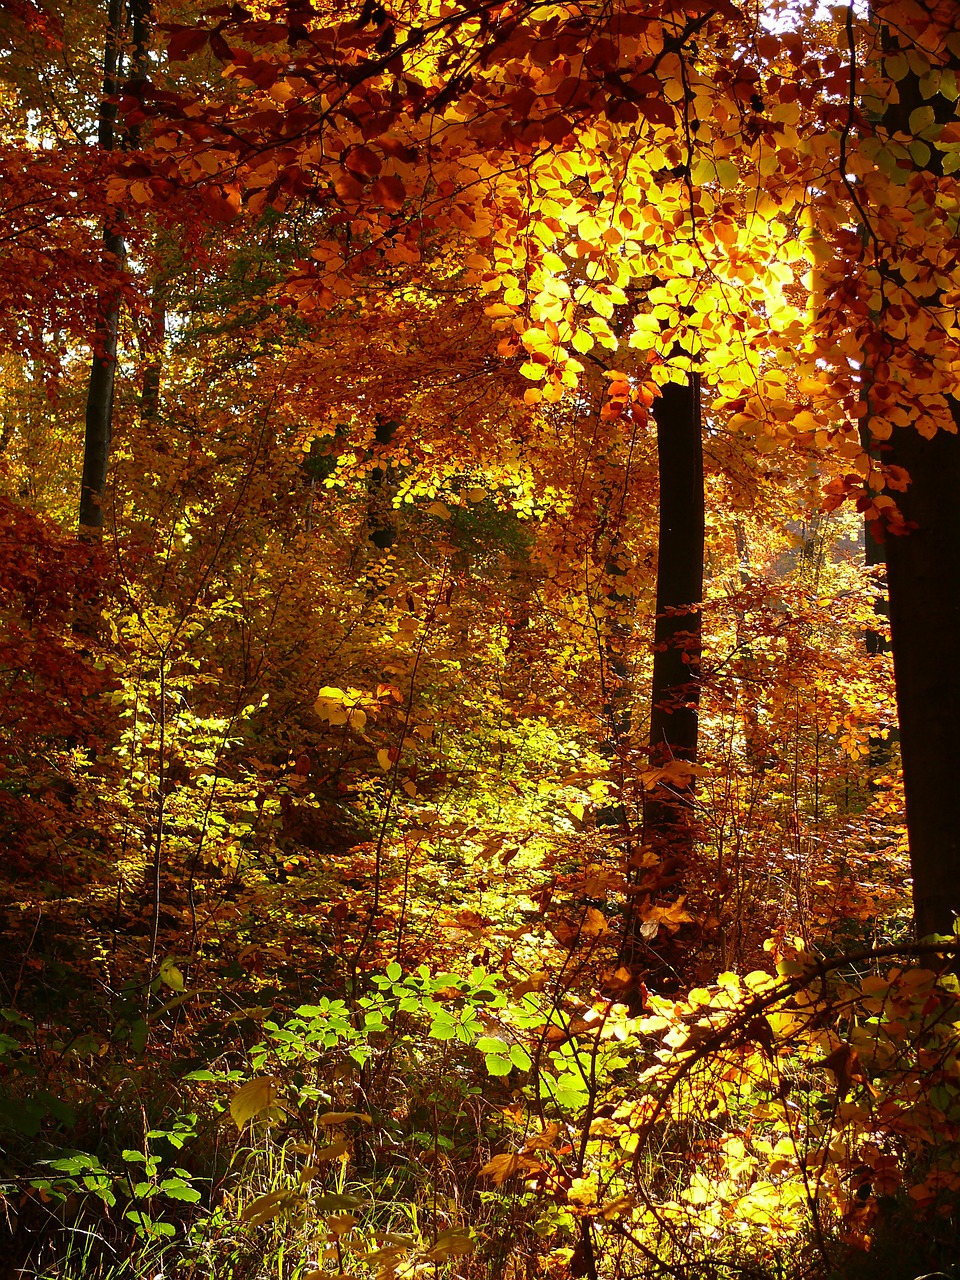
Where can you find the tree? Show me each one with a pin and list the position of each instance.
(675, 687)
(921, 59)
(103, 362)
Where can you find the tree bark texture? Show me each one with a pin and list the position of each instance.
(668, 827)
(923, 579)
(675, 696)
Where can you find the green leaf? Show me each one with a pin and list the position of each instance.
(78, 1162)
(177, 1189)
(394, 972)
(138, 1036)
(921, 118)
(171, 976)
(497, 1065)
(491, 1044)
(728, 173)
(520, 1058)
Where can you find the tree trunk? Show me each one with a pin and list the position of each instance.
(923, 572)
(98, 424)
(668, 826)
(103, 361)
(152, 342)
(675, 696)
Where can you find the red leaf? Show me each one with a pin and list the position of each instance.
(656, 110)
(185, 41)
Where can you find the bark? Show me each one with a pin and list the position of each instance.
(98, 420)
(98, 427)
(381, 517)
(923, 578)
(923, 572)
(675, 696)
(153, 345)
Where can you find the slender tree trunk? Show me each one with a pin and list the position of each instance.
(103, 363)
(152, 344)
(98, 423)
(675, 696)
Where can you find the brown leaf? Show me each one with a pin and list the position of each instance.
(505, 1166)
(389, 193)
(844, 1062)
(363, 162)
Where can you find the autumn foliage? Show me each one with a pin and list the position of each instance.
(461, 782)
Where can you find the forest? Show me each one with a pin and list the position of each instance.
(479, 640)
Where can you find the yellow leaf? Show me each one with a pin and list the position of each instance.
(267, 1207)
(252, 1098)
(334, 1151)
(594, 923)
(357, 719)
(452, 1243)
(544, 1140)
(505, 1166)
(534, 337)
(672, 915)
(476, 494)
(339, 1224)
(171, 976)
(439, 509)
(341, 1117)
(383, 759)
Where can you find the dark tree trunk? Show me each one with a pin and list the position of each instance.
(98, 422)
(923, 579)
(923, 571)
(675, 696)
(668, 825)
(98, 428)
